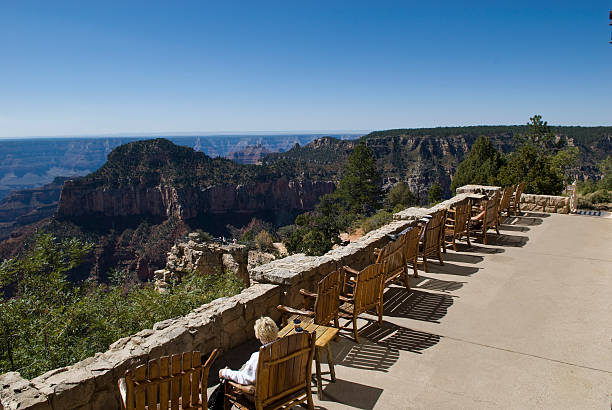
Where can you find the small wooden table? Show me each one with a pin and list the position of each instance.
(325, 334)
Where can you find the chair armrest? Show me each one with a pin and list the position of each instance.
(306, 293)
(350, 270)
(346, 299)
(242, 388)
(123, 391)
(294, 311)
(453, 210)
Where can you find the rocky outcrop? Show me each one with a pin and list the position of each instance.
(164, 201)
(197, 255)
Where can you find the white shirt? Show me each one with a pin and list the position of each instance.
(246, 375)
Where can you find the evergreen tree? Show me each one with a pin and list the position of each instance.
(435, 193)
(481, 165)
(360, 184)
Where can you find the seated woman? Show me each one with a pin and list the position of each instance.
(267, 332)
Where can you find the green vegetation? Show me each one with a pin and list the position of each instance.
(597, 195)
(400, 197)
(434, 194)
(358, 196)
(48, 322)
(542, 160)
(481, 165)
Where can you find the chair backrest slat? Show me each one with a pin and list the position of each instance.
(140, 374)
(164, 371)
(328, 298)
(174, 385)
(152, 387)
(519, 191)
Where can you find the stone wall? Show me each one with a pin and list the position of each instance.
(545, 203)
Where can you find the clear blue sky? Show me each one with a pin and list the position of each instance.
(137, 67)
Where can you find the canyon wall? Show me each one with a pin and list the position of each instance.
(186, 203)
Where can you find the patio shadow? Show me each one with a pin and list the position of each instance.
(423, 282)
(397, 337)
(508, 240)
(416, 304)
(360, 396)
(433, 265)
(461, 257)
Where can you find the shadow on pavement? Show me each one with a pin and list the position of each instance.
(360, 396)
(424, 282)
(416, 304)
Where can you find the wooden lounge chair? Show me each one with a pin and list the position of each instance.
(326, 301)
(282, 378)
(515, 202)
(504, 203)
(487, 218)
(170, 382)
(364, 291)
(457, 224)
(431, 244)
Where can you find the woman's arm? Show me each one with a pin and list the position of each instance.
(244, 376)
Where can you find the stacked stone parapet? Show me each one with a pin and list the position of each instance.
(545, 203)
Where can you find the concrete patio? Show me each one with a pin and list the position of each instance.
(523, 322)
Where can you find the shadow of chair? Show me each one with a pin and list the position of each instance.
(416, 304)
(283, 376)
(177, 382)
(423, 282)
(514, 241)
(354, 395)
(463, 257)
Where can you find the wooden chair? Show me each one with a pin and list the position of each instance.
(364, 291)
(175, 382)
(487, 218)
(515, 202)
(504, 203)
(431, 243)
(393, 260)
(282, 378)
(411, 247)
(457, 224)
(326, 301)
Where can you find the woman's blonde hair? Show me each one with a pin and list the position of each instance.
(266, 330)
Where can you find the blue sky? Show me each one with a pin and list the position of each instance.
(75, 68)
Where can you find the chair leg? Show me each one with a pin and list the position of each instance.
(406, 279)
(309, 396)
(330, 362)
(425, 263)
(318, 369)
(440, 257)
(415, 267)
(454, 244)
(484, 236)
(444, 245)
(379, 310)
(468, 237)
(355, 330)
